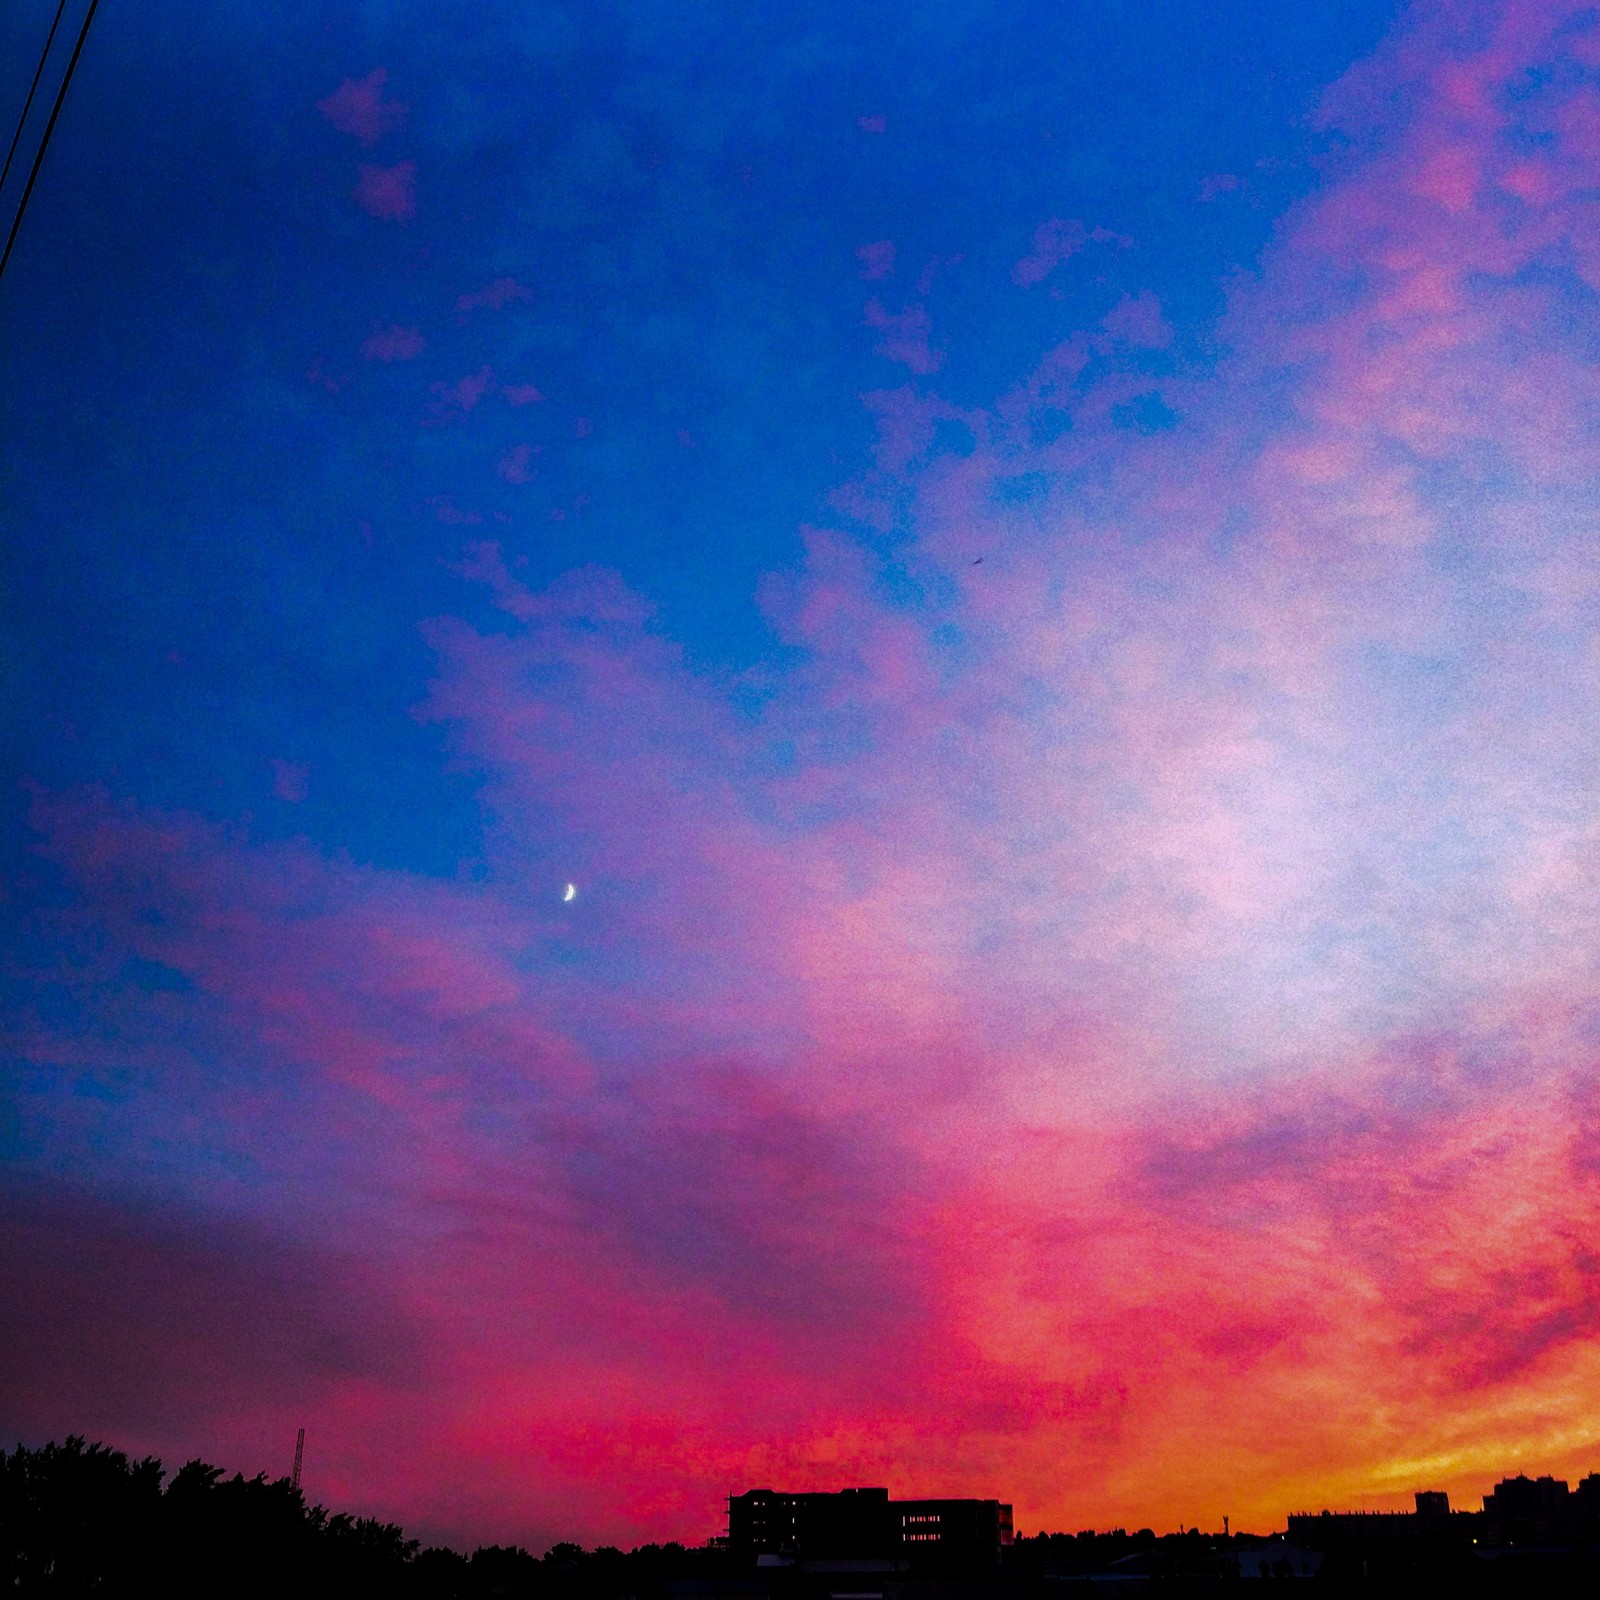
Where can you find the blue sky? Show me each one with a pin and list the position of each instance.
(683, 194)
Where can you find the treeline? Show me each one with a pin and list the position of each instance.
(83, 1519)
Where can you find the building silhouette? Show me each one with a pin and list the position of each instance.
(1432, 1519)
(865, 1525)
(1523, 1510)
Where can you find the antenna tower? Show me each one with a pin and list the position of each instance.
(299, 1456)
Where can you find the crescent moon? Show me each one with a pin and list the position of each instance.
(571, 894)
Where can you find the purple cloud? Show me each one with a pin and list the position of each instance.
(1136, 321)
(905, 336)
(393, 343)
(357, 107)
(1218, 183)
(388, 192)
(516, 465)
(1054, 241)
(495, 296)
(877, 260)
(290, 781)
(461, 397)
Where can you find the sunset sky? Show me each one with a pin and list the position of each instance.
(1036, 566)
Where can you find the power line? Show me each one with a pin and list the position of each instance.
(49, 128)
(33, 88)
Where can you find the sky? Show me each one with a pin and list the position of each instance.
(1035, 569)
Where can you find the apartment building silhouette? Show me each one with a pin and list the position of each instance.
(866, 1525)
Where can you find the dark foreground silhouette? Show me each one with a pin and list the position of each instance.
(83, 1519)
(78, 1520)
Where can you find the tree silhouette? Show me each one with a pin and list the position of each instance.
(82, 1519)
(76, 1518)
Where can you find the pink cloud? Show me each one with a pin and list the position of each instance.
(521, 394)
(1054, 241)
(1136, 320)
(873, 123)
(290, 781)
(393, 343)
(462, 396)
(446, 510)
(495, 297)
(516, 465)
(357, 107)
(388, 192)
(318, 375)
(905, 336)
(877, 260)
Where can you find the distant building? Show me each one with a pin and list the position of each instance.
(1432, 1523)
(965, 1534)
(1586, 1505)
(865, 1525)
(1321, 1529)
(852, 1523)
(1277, 1558)
(1523, 1510)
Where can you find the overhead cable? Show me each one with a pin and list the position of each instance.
(33, 89)
(49, 128)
